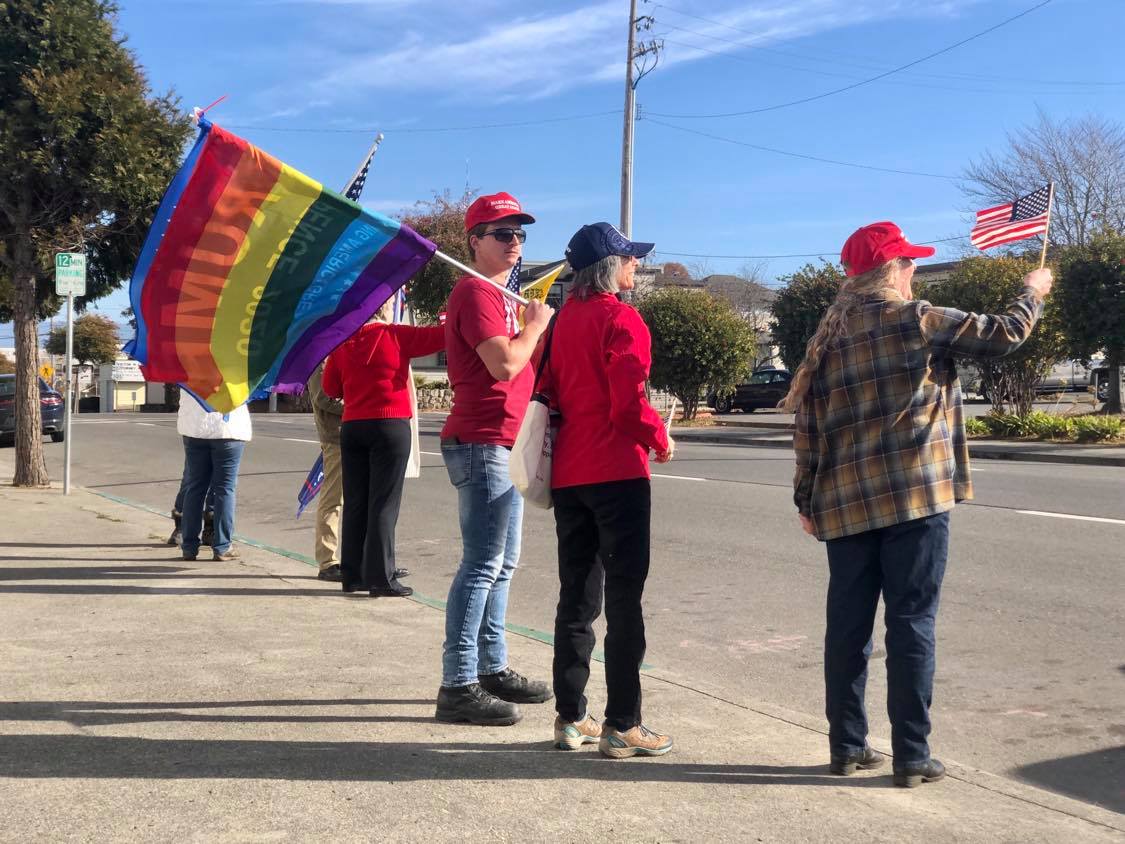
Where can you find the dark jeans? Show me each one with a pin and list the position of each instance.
(374, 454)
(906, 562)
(212, 464)
(178, 505)
(603, 532)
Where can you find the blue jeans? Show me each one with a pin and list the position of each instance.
(491, 515)
(211, 464)
(178, 505)
(906, 562)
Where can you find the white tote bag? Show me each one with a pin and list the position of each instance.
(529, 463)
(414, 463)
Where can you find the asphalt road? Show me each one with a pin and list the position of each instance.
(1031, 674)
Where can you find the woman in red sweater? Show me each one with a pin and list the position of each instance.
(598, 364)
(370, 372)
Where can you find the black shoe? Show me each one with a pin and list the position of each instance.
(395, 590)
(348, 586)
(515, 688)
(177, 537)
(400, 574)
(845, 765)
(190, 555)
(208, 536)
(331, 573)
(472, 704)
(912, 776)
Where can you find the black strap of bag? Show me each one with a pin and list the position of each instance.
(544, 360)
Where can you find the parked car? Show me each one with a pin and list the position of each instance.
(50, 406)
(764, 388)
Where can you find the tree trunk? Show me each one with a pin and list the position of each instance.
(1113, 396)
(31, 468)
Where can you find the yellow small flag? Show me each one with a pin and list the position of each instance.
(540, 280)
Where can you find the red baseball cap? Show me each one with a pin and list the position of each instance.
(872, 246)
(495, 206)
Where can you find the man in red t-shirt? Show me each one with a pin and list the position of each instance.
(488, 357)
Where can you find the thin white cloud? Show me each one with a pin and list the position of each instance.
(537, 56)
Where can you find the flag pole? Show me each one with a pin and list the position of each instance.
(1047, 229)
(453, 262)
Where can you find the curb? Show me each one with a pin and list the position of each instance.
(981, 452)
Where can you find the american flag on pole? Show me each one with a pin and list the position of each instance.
(355, 186)
(1026, 217)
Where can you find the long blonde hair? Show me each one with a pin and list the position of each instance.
(833, 326)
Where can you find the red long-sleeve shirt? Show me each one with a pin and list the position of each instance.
(370, 370)
(600, 358)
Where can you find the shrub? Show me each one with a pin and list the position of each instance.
(1048, 426)
(1098, 428)
(976, 427)
(421, 383)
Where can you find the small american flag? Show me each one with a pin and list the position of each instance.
(1024, 218)
(514, 276)
(355, 186)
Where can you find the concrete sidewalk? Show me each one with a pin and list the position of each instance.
(774, 434)
(148, 698)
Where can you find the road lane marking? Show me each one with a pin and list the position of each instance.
(1072, 516)
(296, 440)
(432, 453)
(148, 424)
(679, 477)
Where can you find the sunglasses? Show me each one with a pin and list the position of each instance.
(507, 235)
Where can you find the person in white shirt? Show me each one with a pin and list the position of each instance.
(213, 444)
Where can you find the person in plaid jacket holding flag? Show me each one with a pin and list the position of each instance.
(881, 460)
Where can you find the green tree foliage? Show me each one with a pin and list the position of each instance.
(799, 306)
(697, 342)
(95, 339)
(7, 365)
(86, 151)
(441, 220)
(987, 286)
(1090, 294)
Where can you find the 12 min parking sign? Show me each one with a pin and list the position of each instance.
(70, 274)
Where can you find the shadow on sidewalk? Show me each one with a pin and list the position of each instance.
(75, 545)
(1095, 777)
(65, 756)
(101, 713)
(112, 572)
(329, 591)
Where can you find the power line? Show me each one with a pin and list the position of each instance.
(756, 36)
(801, 155)
(427, 130)
(795, 255)
(961, 89)
(863, 82)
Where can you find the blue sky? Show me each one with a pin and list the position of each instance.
(311, 80)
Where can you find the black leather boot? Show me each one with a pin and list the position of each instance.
(177, 536)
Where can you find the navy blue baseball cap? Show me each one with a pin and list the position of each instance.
(600, 240)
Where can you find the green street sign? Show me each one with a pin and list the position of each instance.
(70, 274)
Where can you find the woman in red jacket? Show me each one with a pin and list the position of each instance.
(596, 372)
(370, 372)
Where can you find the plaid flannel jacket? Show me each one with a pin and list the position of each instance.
(880, 438)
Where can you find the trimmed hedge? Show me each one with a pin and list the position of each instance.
(1047, 426)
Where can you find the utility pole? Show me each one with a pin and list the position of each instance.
(637, 66)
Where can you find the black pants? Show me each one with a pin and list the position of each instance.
(374, 454)
(603, 532)
(906, 562)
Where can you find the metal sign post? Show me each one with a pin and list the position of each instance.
(70, 281)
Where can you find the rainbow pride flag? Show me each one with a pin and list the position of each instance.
(252, 273)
